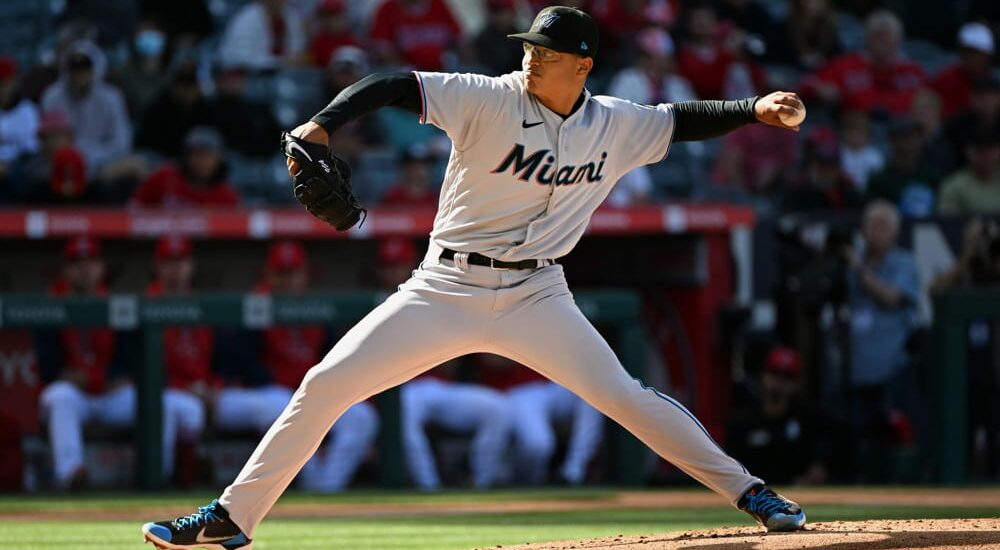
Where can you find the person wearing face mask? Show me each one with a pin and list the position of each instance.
(143, 77)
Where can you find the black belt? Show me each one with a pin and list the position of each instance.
(478, 259)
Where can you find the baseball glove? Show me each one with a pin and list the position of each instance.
(323, 183)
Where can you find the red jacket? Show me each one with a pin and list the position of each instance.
(290, 351)
(954, 85)
(188, 351)
(862, 87)
(88, 350)
(170, 187)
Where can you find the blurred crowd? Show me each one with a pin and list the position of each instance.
(159, 104)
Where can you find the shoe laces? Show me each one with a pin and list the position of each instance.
(204, 515)
(766, 502)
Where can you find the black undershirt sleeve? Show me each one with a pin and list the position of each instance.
(369, 94)
(697, 120)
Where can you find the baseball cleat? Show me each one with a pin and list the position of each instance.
(209, 528)
(772, 510)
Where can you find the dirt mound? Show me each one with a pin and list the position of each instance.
(927, 534)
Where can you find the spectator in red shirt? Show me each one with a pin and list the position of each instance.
(415, 32)
(702, 59)
(189, 356)
(198, 181)
(279, 358)
(416, 183)
(332, 31)
(621, 20)
(954, 83)
(877, 80)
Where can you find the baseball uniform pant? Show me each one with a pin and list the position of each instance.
(66, 408)
(445, 311)
(468, 408)
(331, 468)
(536, 406)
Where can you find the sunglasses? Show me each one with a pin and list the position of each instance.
(544, 55)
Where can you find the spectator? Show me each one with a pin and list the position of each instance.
(859, 159)
(417, 33)
(18, 118)
(755, 160)
(633, 189)
(332, 31)
(96, 109)
(979, 261)
(751, 17)
(278, 358)
(538, 406)
(983, 115)
(653, 78)
(743, 76)
(348, 65)
(703, 60)
(37, 79)
(906, 181)
(778, 433)
(979, 266)
(264, 34)
(490, 47)
(57, 172)
(199, 180)
(190, 356)
(821, 184)
(145, 75)
(621, 20)
(976, 188)
(186, 22)
(247, 127)
(883, 291)
(954, 83)
(416, 184)
(937, 153)
(811, 35)
(878, 80)
(436, 399)
(178, 109)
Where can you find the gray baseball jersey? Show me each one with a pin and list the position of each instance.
(522, 182)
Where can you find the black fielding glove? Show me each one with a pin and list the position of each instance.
(323, 183)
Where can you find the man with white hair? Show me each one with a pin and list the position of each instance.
(883, 291)
(876, 79)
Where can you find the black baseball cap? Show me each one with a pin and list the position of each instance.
(562, 29)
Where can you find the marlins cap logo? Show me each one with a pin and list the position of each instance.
(548, 20)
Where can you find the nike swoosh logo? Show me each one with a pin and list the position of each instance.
(201, 538)
(525, 124)
(296, 148)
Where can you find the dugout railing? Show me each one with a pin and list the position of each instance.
(948, 377)
(144, 319)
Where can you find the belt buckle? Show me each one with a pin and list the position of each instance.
(495, 268)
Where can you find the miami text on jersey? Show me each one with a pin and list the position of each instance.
(542, 161)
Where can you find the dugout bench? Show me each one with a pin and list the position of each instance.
(144, 319)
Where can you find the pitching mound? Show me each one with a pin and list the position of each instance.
(929, 534)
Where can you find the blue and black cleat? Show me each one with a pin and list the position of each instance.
(209, 528)
(772, 510)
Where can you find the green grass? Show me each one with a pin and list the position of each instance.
(411, 532)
